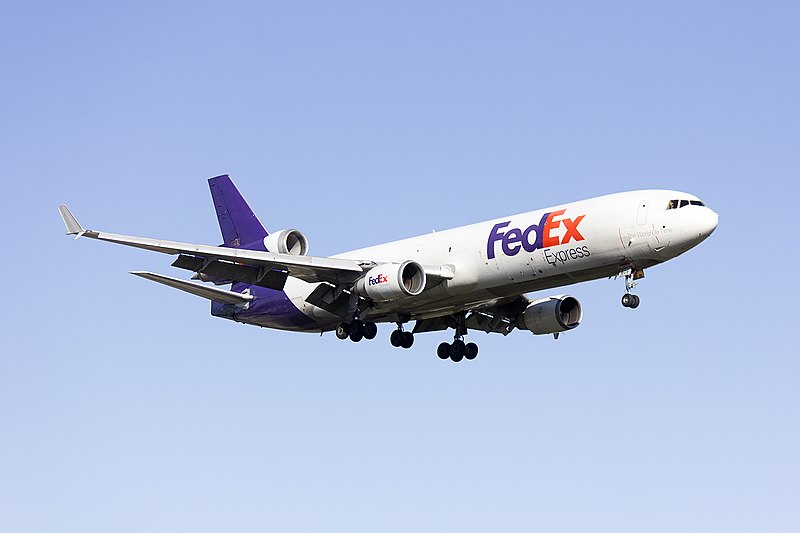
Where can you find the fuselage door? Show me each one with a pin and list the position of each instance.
(635, 239)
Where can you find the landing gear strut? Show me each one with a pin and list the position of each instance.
(628, 299)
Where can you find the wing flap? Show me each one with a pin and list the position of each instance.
(332, 299)
(224, 272)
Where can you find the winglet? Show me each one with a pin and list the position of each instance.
(72, 224)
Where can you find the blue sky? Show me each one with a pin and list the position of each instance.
(126, 407)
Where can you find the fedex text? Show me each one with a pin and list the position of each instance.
(536, 236)
(377, 280)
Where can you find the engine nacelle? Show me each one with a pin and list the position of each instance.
(287, 241)
(551, 315)
(390, 281)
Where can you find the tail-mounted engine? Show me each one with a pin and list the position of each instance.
(287, 241)
(390, 281)
(551, 315)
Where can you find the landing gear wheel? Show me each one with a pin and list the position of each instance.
(356, 330)
(443, 351)
(370, 330)
(407, 340)
(457, 350)
(343, 330)
(396, 338)
(630, 300)
(470, 351)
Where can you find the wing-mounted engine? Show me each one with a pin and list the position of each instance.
(551, 315)
(390, 281)
(287, 241)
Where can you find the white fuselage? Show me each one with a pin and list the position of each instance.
(527, 252)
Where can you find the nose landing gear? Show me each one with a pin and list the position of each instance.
(630, 300)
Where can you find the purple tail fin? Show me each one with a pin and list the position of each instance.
(239, 225)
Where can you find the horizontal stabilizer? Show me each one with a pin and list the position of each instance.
(210, 293)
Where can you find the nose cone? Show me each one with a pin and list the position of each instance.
(703, 223)
(708, 221)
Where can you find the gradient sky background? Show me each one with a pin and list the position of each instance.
(124, 406)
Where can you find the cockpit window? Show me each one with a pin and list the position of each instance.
(677, 204)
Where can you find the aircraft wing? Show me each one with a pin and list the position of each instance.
(269, 269)
(308, 268)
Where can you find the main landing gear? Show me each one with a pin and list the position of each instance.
(356, 330)
(400, 338)
(628, 299)
(458, 349)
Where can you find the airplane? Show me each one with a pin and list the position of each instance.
(471, 278)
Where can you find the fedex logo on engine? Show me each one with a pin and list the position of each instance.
(377, 280)
(534, 237)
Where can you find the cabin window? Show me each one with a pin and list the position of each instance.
(684, 203)
(673, 204)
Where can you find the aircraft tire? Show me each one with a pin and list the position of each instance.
(635, 302)
(627, 299)
(457, 349)
(456, 357)
(443, 351)
(407, 340)
(370, 330)
(343, 331)
(396, 338)
(356, 326)
(471, 351)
